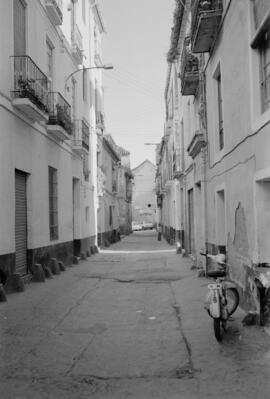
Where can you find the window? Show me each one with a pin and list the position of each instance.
(87, 214)
(49, 49)
(53, 204)
(83, 10)
(264, 50)
(97, 99)
(19, 23)
(220, 113)
(86, 170)
(220, 217)
(262, 191)
(73, 99)
(84, 91)
(110, 215)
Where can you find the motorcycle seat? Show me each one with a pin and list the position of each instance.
(216, 273)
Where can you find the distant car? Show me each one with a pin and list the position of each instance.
(136, 226)
(147, 226)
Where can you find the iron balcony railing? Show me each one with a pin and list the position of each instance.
(59, 112)
(30, 82)
(58, 4)
(114, 186)
(99, 118)
(204, 8)
(76, 38)
(261, 9)
(189, 69)
(81, 134)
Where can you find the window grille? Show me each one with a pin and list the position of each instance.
(53, 204)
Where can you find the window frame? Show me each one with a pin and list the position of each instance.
(264, 52)
(84, 84)
(24, 7)
(53, 203)
(50, 62)
(220, 113)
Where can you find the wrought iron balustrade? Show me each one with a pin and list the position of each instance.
(81, 134)
(58, 7)
(99, 119)
(189, 61)
(59, 112)
(189, 70)
(205, 19)
(30, 82)
(76, 37)
(114, 186)
(261, 9)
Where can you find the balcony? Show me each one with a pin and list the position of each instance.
(101, 182)
(129, 194)
(97, 52)
(197, 143)
(177, 164)
(77, 45)
(54, 10)
(30, 94)
(158, 185)
(189, 72)
(206, 17)
(159, 201)
(114, 187)
(59, 124)
(100, 121)
(262, 21)
(80, 141)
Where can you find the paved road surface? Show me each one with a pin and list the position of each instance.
(127, 323)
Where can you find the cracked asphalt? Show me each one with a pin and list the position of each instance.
(128, 322)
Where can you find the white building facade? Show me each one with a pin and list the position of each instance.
(217, 134)
(48, 131)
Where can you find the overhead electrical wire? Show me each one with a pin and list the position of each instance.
(138, 80)
(133, 84)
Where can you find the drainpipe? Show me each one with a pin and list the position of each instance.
(205, 150)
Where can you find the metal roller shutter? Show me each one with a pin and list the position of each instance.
(20, 222)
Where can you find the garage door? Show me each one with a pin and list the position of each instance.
(20, 222)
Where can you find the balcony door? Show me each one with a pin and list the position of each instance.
(49, 51)
(76, 208)
(19, 26)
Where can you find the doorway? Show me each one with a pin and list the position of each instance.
(191, 238)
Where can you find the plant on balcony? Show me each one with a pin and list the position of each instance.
(177, 20)
(205, 5)
(63, 118)
(26, 90)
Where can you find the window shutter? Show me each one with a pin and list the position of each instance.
(19, 13)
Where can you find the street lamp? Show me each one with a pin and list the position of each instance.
(104, 66)
(151, 143)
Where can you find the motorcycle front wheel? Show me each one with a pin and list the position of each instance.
(217, 329)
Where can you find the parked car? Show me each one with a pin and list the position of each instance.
(136, 226)
(147, 225)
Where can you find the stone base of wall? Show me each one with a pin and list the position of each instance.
(62, 252)
(108, 237)
(172, 236)
(7, 266)
(125, 230)
(83, 246)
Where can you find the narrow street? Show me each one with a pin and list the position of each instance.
(127, 323)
